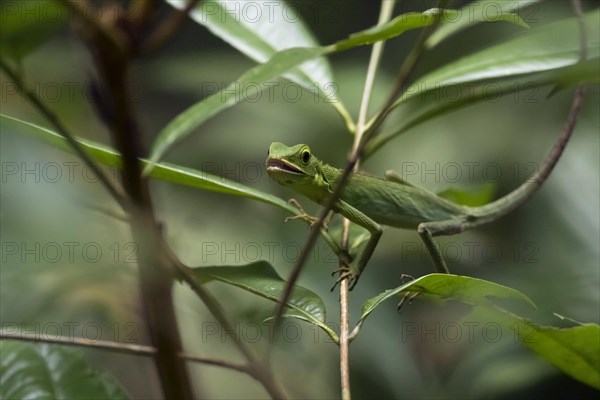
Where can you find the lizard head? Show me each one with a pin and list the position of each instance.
(293, 166)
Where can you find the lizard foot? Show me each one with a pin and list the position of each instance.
(302, 215)
(346, 272)
(407, 296)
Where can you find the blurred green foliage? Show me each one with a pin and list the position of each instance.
(68, 260)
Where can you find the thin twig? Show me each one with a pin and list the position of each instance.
(376, 53)
(111, 47)
(219, 363)
(384, 16)
(405, 72)
(60, 128)
(127, 348)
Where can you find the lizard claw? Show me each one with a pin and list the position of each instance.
(302, 215)
(346, 272)
(407, 296)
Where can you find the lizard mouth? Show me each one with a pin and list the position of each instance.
(275, 165)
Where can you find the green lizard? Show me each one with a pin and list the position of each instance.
(371, 202)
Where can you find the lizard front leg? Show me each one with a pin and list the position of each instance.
(354, 215)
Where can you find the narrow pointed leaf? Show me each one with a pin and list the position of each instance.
(248, 85)
(281, 62)
(52, 372)
(259, 30)
(546, 56)
(163, 171)
(547, 48)
(481, 11)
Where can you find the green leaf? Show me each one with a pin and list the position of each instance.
(247, 85)
(538, 50)
(52, 372)
(395, 27)
(163, 171)
(262, 28)
(449, 287)
(261, 279)
(28, 24)
(281, 62)
(540, 57)
(575, 351)
(477, 12)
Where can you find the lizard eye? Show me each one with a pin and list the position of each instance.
(305, 156)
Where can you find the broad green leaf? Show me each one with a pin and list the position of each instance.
(166, 172)
(259, 29)
(27, 24)
(449, 287)
(574, 350)
(480, 11)
(261, 279)
(250, 82)
(44, 371)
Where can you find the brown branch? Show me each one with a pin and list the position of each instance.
(111, 48)
(218, 363)
(115, 192)
(167, 29)
(127, 348)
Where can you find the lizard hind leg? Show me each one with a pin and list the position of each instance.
(427, 230)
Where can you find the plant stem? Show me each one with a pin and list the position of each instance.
(405, 72)
(376, 53)
(167, 28)
(126, 348)
(112, 52)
